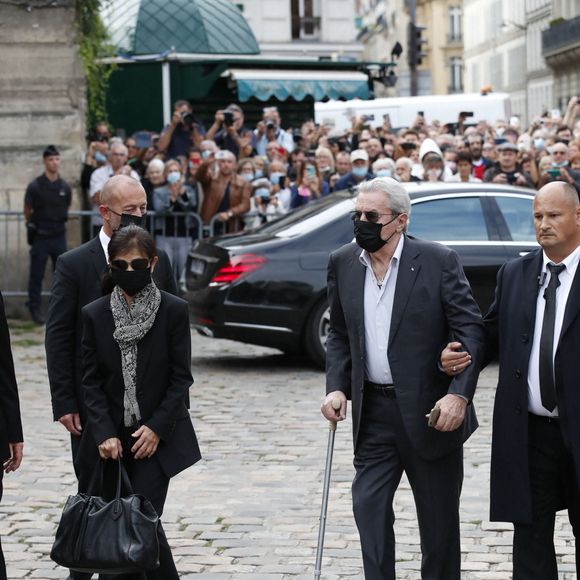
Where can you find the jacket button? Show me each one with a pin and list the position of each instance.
(518, 410)
(525, 338)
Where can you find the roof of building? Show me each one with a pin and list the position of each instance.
(149, 27)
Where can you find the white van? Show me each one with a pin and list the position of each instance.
(402, 111)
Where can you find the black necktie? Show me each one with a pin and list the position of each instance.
(547, 387)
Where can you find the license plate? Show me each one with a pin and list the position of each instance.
(197, 266)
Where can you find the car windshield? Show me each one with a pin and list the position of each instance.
(311, 217)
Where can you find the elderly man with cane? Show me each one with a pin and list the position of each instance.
(394, 301)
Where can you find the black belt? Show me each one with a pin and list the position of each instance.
(387, 389)
(544, 418)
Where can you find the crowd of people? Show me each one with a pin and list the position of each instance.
(241, 176)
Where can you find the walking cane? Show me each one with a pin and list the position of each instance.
(323, 509)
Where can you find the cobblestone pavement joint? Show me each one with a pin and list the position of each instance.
(251, 506)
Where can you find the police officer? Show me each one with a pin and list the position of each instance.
(46, 205)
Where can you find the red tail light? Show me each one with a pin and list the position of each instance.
(236, 267)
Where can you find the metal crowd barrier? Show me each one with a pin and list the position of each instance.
(14, 250)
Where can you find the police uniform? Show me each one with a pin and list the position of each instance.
(49, 201)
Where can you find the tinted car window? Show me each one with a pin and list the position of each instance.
(448, 219)
(519, 217)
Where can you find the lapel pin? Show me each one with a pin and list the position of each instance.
(412, 269)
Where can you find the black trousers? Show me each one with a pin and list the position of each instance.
(40, 251)
(554, 487)
(2, 562)
(383, 453)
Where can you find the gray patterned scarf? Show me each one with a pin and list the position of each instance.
(131, 325)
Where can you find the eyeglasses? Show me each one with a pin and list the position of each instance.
(370, 216)
(138, 264)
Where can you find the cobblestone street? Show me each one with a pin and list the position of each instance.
(250, 507)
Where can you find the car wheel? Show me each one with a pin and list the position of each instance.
(316, 333)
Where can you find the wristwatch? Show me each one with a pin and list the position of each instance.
(230, 214)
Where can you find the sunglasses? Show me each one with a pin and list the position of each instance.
(138, 264)
(370, 216)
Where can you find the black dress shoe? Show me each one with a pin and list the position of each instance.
(37, 316)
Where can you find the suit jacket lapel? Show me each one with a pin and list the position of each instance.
(573, 304)
(98, 256)
(408, 269)
(356, 294)
(531, 270)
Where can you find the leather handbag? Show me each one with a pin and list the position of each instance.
(107, 537)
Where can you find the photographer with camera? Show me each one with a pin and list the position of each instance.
(229, 133)
(182, 133)
(507, 170)
(269, 129)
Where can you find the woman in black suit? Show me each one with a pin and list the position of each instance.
(137, 359)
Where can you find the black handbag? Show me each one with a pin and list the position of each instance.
(108, 537)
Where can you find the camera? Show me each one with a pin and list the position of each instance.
(297, 135)
(228, 118)
(270, 125)
(368, 118)
(187, 119)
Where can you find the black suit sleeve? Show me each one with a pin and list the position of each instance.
(338, 361)
(96, 402)
(165, 279)
(465, 323)
(180, 380)
(9, 403)
(60, 340)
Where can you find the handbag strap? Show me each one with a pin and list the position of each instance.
(123, 480)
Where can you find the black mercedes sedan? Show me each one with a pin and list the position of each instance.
(268, 286)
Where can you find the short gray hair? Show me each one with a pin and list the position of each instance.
(398, 198)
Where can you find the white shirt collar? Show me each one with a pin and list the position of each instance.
(571, 261)
(104, 239)
(365, 258)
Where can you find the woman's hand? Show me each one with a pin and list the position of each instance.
(146, 444)
(111, 448)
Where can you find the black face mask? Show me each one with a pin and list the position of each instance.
(368, 235)
(128, 219)
(131, 281)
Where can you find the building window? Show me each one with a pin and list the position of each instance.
(455, 75)
(305, 19)
(455, 15)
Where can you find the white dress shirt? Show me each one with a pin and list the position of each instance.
(378, 309)
(566, 278)
(104, 239)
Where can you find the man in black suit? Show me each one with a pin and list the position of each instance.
(11, 444)
(534, 325)
(393, 305)
(77, 282)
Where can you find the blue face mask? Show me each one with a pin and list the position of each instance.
(100, 157)
(173, 177)
(263, 192)
(275, 177)
(247, 176)
(359, 171)
(539, 143)
(384, 173)
(205, 154)
(560, 164)
(259, 173)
